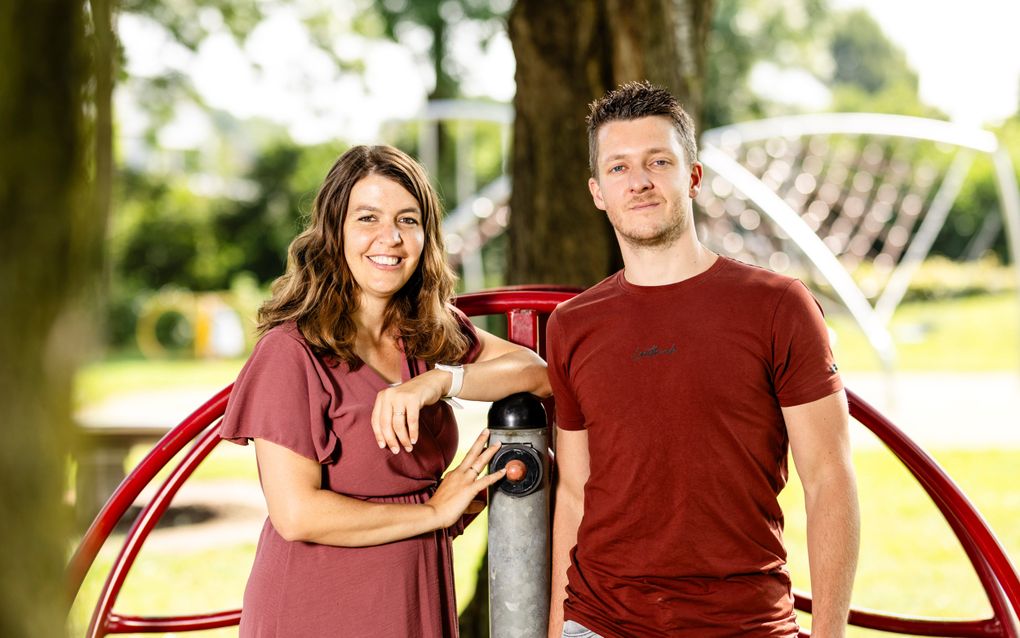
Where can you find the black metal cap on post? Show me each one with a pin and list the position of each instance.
(521, 411)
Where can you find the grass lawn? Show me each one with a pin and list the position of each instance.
(102, 379)
(969, 334)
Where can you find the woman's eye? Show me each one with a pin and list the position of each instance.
(410, 221)
(366, 218)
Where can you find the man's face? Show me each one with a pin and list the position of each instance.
(643, 181)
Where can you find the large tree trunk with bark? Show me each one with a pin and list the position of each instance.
(48, 251)
(569, 54)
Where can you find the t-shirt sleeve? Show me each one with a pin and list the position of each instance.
(469, 331)
(279, 397)
(804, 369)
(568, 411)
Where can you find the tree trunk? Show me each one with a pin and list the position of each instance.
(569, 54)
(47, 254)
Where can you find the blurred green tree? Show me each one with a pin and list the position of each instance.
(865, 57)
(438, 19)
(790, 33)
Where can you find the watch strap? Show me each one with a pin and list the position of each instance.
(457, 371)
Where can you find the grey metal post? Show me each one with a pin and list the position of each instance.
(519, 519)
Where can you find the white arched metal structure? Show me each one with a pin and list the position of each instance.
(720, 146)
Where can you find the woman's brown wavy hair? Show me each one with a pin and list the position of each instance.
(319, 293)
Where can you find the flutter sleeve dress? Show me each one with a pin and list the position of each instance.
(289, 396)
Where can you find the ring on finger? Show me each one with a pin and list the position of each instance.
(477, 472)
(399, 413)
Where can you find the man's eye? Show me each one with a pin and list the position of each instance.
(660, 162)
(616, 169)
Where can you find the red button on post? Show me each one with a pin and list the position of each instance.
(515, 471)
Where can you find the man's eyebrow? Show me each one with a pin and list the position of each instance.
(648, 151)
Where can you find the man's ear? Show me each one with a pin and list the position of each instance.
(697, 174)
(596, 193)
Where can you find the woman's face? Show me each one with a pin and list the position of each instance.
(383, 236)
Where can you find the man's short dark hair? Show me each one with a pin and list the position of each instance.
(635, 100)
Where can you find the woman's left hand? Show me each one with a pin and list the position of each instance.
(395, 415)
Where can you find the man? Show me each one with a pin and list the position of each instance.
(680, 382)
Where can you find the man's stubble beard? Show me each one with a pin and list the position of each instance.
(676, 225)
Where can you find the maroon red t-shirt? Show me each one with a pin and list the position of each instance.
(680, 388)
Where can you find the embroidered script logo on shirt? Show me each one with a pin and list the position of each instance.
(654, 351)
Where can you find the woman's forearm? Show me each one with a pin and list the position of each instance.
(328, 518)
(518, 371)
(300, 510)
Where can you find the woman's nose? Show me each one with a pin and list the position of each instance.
(390, 234)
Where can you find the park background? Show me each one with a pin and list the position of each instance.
(223, 116)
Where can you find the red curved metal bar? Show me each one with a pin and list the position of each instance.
(100, 624)
(491, 302)
(914, 625)
(526, 307)
(119, 624)
(132, 485)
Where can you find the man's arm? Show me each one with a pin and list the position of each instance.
(820, 442)
(572, 466)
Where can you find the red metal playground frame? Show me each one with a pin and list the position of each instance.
(526, 310)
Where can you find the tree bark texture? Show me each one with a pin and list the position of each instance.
(47, 254)
(569, 54)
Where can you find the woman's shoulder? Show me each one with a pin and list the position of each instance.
(282, 339)
(288, 330)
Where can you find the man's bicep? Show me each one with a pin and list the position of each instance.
(819, 435)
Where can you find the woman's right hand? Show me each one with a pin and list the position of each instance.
(459, 487)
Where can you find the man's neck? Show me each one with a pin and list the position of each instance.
(660, 266)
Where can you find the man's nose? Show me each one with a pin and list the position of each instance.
(639, 180)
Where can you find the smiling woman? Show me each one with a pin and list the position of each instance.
(342, 399)
(383, 236)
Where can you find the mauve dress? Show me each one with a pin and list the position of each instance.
(288, 395)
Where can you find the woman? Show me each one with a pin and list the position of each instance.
(342, 397)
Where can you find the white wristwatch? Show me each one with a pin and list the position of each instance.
(458, 377)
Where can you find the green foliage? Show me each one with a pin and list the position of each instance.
(189, 21)
(397, 18)
(155, 235)
(977, 202)
(744, 33)
(864, 57)
(165, 234)
(898, 99)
